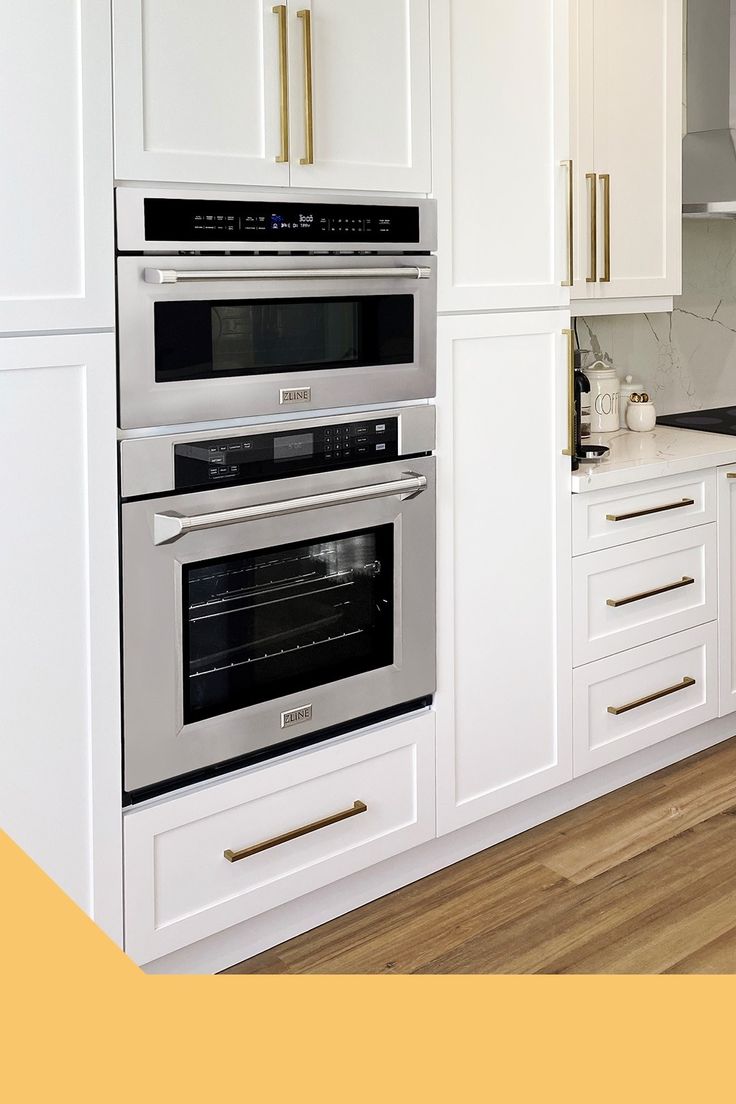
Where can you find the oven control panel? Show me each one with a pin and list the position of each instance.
(259, 456)
(263, 224)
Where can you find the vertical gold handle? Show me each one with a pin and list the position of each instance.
(280, 11)
(568, 282)
(570, 450)
(306, 15)
(593, 242)
(605, 180)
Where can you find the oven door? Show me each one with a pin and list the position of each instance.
(205, 338)
(256, 615)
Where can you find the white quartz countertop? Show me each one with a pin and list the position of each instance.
(665, 451)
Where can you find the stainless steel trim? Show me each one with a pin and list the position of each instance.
(174, 276)
(168, 527)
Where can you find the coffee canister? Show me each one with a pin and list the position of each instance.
(604, 397)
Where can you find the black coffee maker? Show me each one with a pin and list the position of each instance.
(581, 386)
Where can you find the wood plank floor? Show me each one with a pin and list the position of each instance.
(640, 881)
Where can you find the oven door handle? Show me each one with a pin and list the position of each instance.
(174, 276)
(169, 527)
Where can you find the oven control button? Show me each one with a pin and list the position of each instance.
(381, 428)
(380, 448)
(328, 456)
(362, 450)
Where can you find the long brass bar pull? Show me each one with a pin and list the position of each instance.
(306, 15)
(592, 276)
(683, 582)
(280, 11)
(605, 180)
(652, 510)
(569, 280)
(570, 450)
(617, 710)
(245, 852)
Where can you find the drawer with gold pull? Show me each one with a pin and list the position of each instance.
(619, 515)
(639, 592)
(222, 853)
(635, 699)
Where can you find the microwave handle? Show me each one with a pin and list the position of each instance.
(173, 276)
(169, 527)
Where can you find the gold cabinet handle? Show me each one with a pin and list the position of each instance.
(730, 475)
(683, 582)
(593, 238)
(306, 15)
(568, 282)
(266, 845)
(652, 510)
(605, 180)
(617, 710)
(280, 11)
(570, 450)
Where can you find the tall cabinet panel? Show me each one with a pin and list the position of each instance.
(370, 88)
(504, 682)
(198, 91)
(627, 85)
(56, 178)
(500, 110)
(59, 713)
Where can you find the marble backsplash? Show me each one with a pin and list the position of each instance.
(687, 359)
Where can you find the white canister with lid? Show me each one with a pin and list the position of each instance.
(604, 398)
(626, 390)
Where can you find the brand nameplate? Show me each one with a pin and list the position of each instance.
(296, 716)
(295, 395)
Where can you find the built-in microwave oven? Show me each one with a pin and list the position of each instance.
(233, 307)
(278, 586)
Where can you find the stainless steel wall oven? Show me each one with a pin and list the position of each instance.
(235, 307)
(278, 584)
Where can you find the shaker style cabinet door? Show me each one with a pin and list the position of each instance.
(727, 588)
(500, 118)
(360, 94)
(56, 237)
(627, 118)
(59, 648)
(503, 513)
(198, 91)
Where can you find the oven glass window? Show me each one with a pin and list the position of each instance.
(281, 620)
(202, 340)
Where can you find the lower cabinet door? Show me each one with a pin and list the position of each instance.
(726, 482)
(201, 862)
(503, 516)
(633, 700)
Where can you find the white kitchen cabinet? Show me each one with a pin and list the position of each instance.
(56, 178)
(726, 478)
(504, 632)
(500, 118)
(371, 95)
(199, 93)
(627, 136)
(59, 655)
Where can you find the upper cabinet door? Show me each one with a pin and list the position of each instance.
(629, 157)
(360, 94)
(500, 106)
(56, 179)
(198, 91)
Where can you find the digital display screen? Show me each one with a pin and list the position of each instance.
(297, 446)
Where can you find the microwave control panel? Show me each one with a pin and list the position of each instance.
(262, 224)
(258, 457)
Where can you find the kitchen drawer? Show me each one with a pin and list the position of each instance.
(618, 515)
(180, 886)
(623, 597)
(623, 682)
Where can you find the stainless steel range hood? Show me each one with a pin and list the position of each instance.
(709, 147)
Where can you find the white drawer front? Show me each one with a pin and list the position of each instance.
(600, 736)
(627, 596)
(618, 515)
(179, 885)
